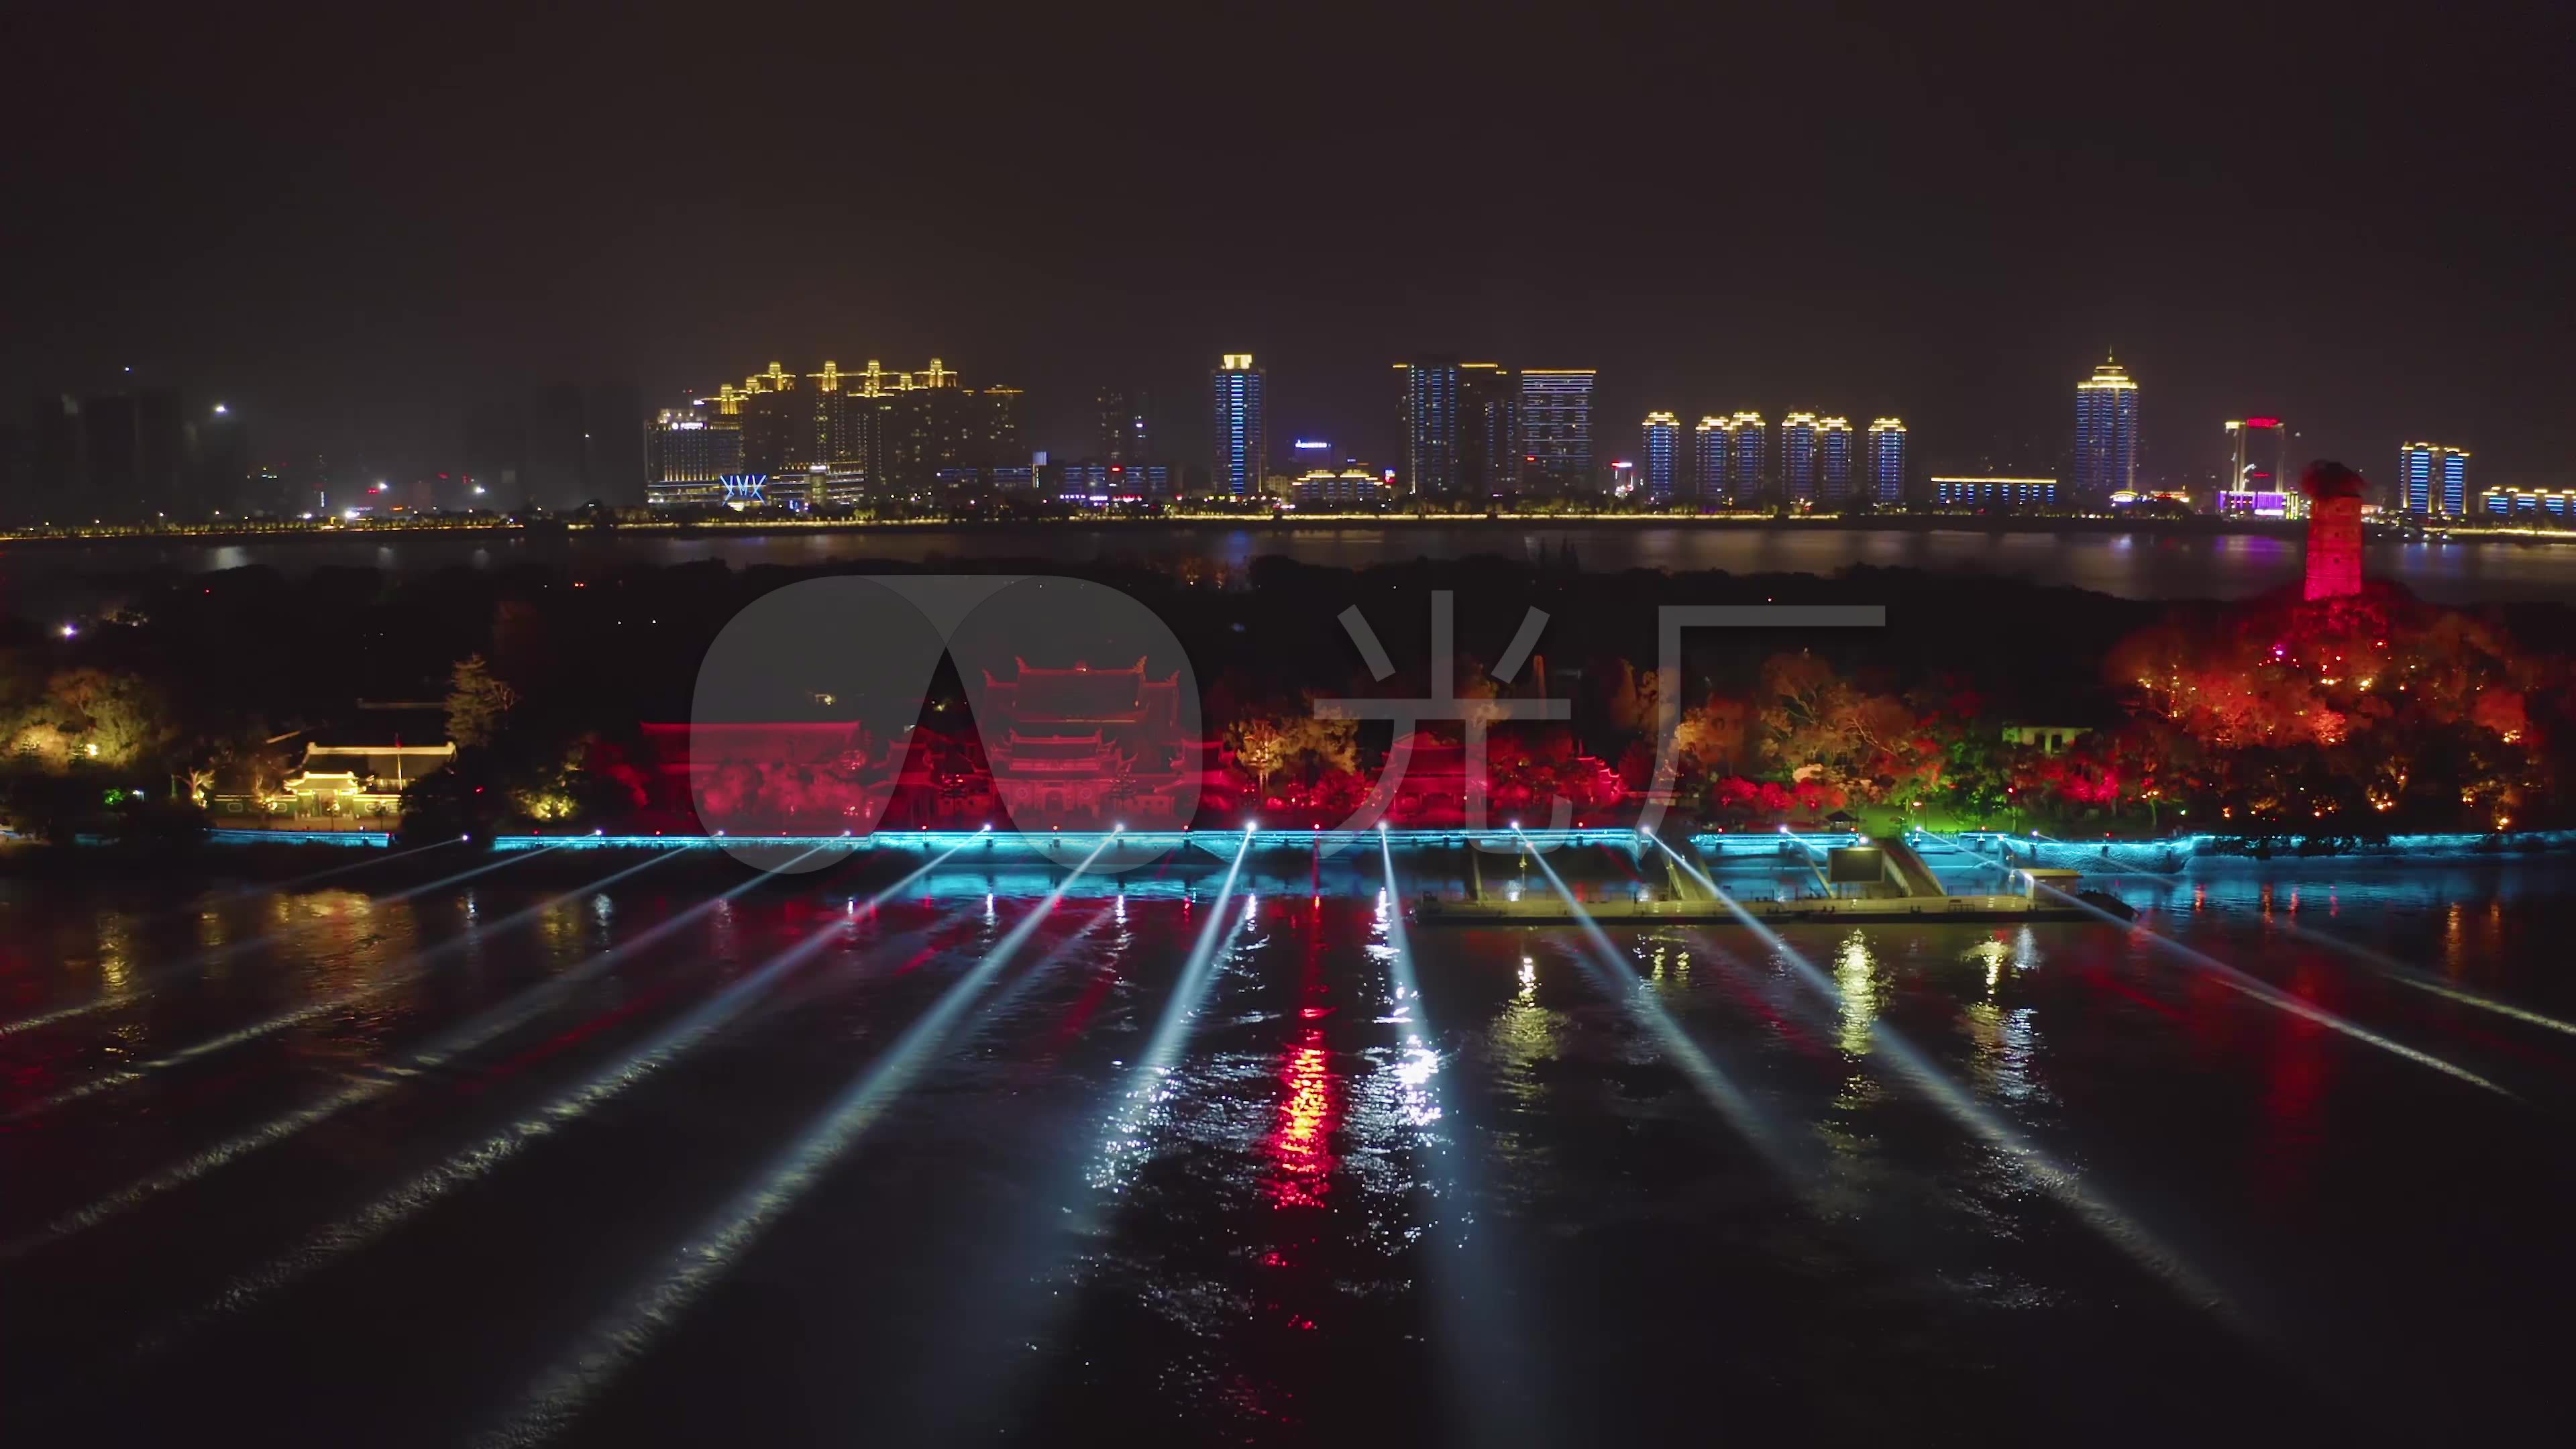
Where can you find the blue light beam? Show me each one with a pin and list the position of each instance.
(376, 1082)
(338, 1239)
(1615, 974)
(623, 1334)
(1145, 1081)
(2060, 1182)
(150, 981)
(2270, 995)
(417, 967)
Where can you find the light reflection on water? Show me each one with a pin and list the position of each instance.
(1258, 1261)
(2005, 1036)
(70, 578)
(1854, 975)
(1523, 1036)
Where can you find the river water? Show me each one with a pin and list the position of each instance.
(634, 1164)
(46, 578)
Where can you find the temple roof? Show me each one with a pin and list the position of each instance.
(381, 762)
(1433, 757)
(1060, 747)
(1081, 694)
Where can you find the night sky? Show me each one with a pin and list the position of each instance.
(354, 223)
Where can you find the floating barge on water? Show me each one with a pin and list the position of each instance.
(1857, 881)
(1551, 910)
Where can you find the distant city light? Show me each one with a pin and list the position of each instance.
(71, 630)
(2261, 504)
(220, 410)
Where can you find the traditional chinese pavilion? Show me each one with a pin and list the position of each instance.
(756, 778)
(1089, 746)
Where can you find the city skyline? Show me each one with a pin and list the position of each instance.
(869, 434)
(1492, 725)
(1471, 390)
(361, 299)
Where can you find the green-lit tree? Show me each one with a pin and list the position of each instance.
(478, 703)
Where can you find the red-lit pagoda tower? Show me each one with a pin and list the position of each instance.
(2334, 530)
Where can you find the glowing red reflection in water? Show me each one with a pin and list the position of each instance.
(1301, 1145)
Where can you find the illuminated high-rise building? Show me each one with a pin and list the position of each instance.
(1887, 460)
(1834, 459)
(1489, 435)
(1798, 457)
(2433, 479)
(2106, 435)
(778, 423)
(1663, 445)
(1752, 450)
(1712, 448)
(1427, 400)
(1242, 445)
(2415, 470)
(1000, 425)
(1556, 426)
(848, 427)
(2258, 451)
(688, 453)
(843, 437)
(1122, 426)
(925, 432)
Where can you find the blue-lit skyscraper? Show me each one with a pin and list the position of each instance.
(1887, 460)
(1489, 431)
(1242, 447)
(1752, 449)
(1556, 426)
(2106, 435)
(1712, 448)
(2433, 479)
(1662, 455)
(1798, 457)
(2415, 476)
(1429, 400)
(1834, 458)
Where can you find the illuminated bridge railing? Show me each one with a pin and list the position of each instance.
(1076, 843)
(1719, 845)
(2165, 854)
(376, 838)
